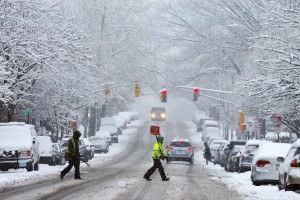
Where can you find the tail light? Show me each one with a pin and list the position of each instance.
(170, 148)
(28, 153)
(295, 163)
(262, 163)
(191, 149)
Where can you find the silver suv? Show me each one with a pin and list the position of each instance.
(19, 147)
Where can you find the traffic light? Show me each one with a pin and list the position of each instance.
(196, 93)
(137, 90)
(241, 117)
(73, 124)
(107, 90)
(163, 96)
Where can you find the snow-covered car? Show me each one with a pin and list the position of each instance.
(133, 115)
(211, 132)
(82, 149)
(89, 148)
(233, 158)
(289, 170)
(218, 154)
(198, 115)
(125, 116)
(214, 145)
(200, 122)
(105, 134)
(210, 123)
(18, 146)
(100, 144)
(158, 114)
(59, 155)
(180, 150)
(47, 154)
(227, 150)
(250, 151)
(265, 167)
(120, 122)
(108, 124)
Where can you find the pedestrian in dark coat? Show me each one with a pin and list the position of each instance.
(207, 153)
(73, 154)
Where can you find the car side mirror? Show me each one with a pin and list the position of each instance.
(280, 159)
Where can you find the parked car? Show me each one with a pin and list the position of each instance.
(120, 122)
(227, 151)
(105, 134)
(125, 116)
(108, 124)
(200, 122)
(289, 169)
(214, 146)
(210, 132)
(59, 155)
(218, 154)
(82, 149)
(233, 158)
(133, 115)
(89, 148)
(158, 114)
(47, 154)
(198, 115)
(100, 144)
(248, 154)
(180, 150)
(265, 167)
(18, 147)
(210, 123)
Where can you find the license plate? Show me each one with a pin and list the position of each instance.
(22, 164)
(180, 152)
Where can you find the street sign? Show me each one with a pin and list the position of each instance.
(154, 130)
(26, 112)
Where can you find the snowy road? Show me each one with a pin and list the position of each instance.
(121, 176)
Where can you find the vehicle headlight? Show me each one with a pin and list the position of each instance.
(153, 115)
(163, 115)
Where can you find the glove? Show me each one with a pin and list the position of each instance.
(162, 157)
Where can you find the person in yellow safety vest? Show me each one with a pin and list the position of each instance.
(157, 154)
(73, 154)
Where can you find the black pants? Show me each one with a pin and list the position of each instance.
(76, 164)
(156, 164)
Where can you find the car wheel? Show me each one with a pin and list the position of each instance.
(226, 167)
(279, 184)
(4, 169)
(256, 183)
(287, 187)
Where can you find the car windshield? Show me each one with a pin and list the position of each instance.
(180, 144)
(158, 110)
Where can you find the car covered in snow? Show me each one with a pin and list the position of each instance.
(59, 155)
(126, 116)
(89, 148)
(233, 158)
(289, 170)
(120, 122)
(265, 167)
(180, 150)
(105, 134)
(251, 148)
(108, 124)
(18, 146)
(211, 132)
(47, 154)
(227, 150)
(100, 144)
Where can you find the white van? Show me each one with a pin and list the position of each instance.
(19, 147)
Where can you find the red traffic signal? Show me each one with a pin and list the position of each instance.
(196, 90)
(164, 92)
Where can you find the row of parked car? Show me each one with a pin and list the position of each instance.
(21, 147)
(269, 162)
